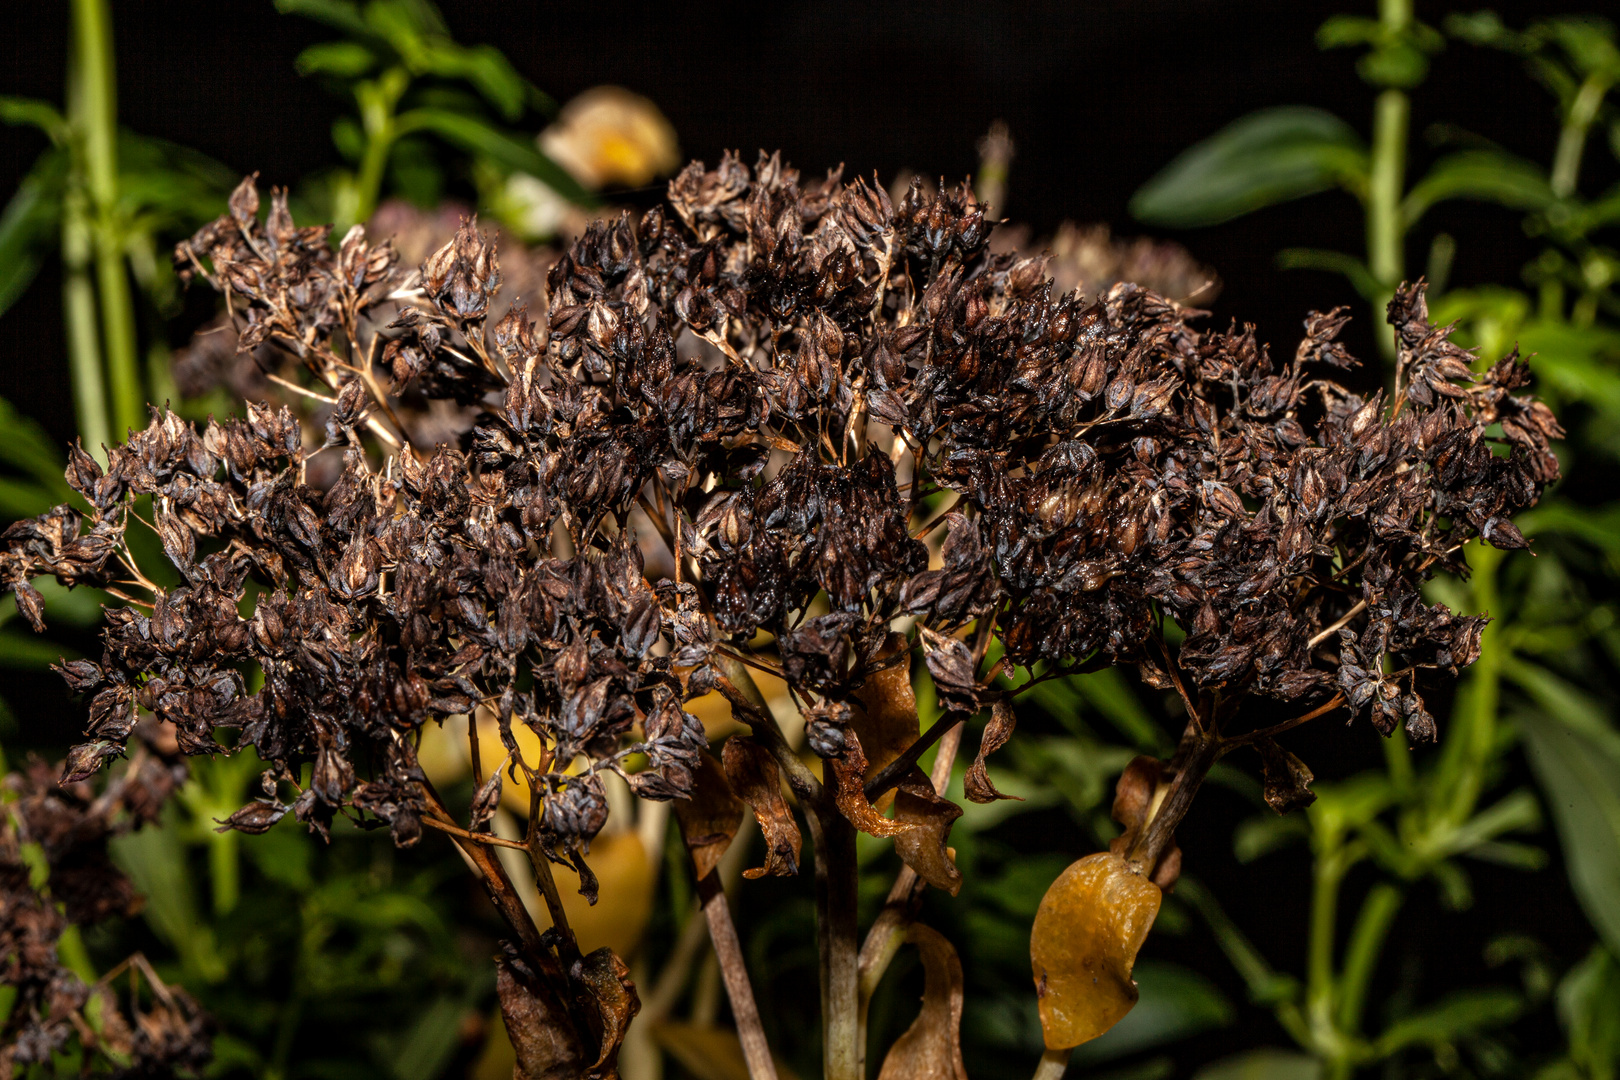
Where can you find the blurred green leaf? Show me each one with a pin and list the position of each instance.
(1263, 1065)
(1267, 157)
(26, 446)
(154, 857)
(1262, 835)
(424, 1049)
(1578, 766)
(28, 651)
(1336, 262)
(29, 224)
(1482, 175)
(1484, 28)
(1589, 1009)
(32, 111)
(338, 14)
(477, 137)
(1176, 1002)
(342, 59)
(1461, 1013)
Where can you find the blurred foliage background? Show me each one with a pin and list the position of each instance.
(1452, 911)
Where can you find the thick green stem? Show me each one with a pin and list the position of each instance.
(1386, 232)
(96, 128)
(79, 318)
(1361, 955)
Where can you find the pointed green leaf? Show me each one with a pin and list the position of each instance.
(1575, 754)
(29, 224)
(1267, 157)
(477, 137)
(1483, 176)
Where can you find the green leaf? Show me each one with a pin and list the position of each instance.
(25, 446)
(425, 1047)
(1458, 1014)
(1576, 758)
(1263, 1065)
(1342, 30)
(1482, 175)
(1484, 28)
(1589, 1009)
(1262, 835)
(1175, 1003)
(29, 224)
(1336, 262)
(1267, 157)
(477, 137)
(340, 59)
(338, 14)
(40, 114)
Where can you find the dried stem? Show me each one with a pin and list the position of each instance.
(892, 773)
(728, 950)
(1199, 750)
(1228, 745)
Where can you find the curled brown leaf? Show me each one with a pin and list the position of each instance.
(976, 784)
(931, 1048)
(755, 778)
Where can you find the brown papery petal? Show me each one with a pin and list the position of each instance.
(976, 784)
(931, 1048)
(711, 817)
(887, 719)
(923, 848)
(1087, 932)
(755, 778)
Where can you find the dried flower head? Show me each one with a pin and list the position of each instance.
(732, 439)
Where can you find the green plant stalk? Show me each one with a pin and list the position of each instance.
(1583, 110)
(1460, 777)
(1386, 232)
(1327, 873)
(377, 100)
(79, 318)
(1377, 915)
(96, 126)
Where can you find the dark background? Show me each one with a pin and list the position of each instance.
(1098, 97)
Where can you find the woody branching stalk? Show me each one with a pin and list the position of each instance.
(724, 448)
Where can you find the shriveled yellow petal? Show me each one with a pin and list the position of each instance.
(1087, 932)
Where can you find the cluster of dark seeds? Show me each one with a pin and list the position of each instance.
(55, 873)
(738, 430)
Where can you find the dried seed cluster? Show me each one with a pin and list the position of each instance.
(55, 872)
(750, 398)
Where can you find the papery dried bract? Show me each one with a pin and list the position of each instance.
(757, 781)
(931, 1048)
(1089, 927)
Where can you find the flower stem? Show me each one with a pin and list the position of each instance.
(96, 128)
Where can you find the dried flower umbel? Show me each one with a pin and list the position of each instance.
(797, 388)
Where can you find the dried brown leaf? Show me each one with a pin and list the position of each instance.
(606, 978)
(710, 818)
(848, 773)
(755, 778)
(923, 848)
(547, 1045)
(976, 784)
(887, 720)
(931, 1048)
(1287, 778)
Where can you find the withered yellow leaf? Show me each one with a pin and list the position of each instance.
(1087, 932)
